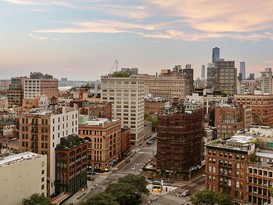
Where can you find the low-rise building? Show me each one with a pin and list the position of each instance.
(71, 164)
(226, 166)
(3, 104)
(104, 142)
(125, 141)
(22, 175)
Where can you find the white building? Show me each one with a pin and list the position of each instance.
(34, 88)
(22, 175)
(41, 131)
(265, 81)
(127, 97)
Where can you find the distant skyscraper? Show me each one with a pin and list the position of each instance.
(243, 70)
(251, 76)
(203, 72)
(211, 73)
(215, 54)
(188, 74)
(226, 79)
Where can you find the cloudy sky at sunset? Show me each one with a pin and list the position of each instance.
(81, 39)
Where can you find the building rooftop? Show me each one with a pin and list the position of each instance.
(238, 142)
(13, 159)
(84, 119)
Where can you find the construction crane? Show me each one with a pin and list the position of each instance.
(115, 67)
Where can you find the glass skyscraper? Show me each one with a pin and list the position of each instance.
(243, 70)
(215, 55)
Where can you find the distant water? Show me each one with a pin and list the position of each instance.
(64, 88)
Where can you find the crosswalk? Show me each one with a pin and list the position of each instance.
(180, 200)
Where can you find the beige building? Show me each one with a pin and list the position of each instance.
(104, 142)
(167, 87)
(127, 97)
(41, 130)
(34, 88)
(22, 175)
(3, 104)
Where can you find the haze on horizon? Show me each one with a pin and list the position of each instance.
(81, 39)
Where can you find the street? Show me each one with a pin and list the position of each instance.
(139, 157)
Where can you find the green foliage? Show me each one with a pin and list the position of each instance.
(137, 181)
(151, 118)
(36, 199)
(211, 198)
(120, 74)
(126, 191)
(100, 199)
(123, 193)
(252, 157)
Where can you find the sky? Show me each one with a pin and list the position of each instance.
(81, 39)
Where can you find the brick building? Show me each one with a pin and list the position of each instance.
(41, 130)
(226, 166)
(230, 118)
(97, 109)
(104, 142)
(261, 105)
(179, 139)
(125, 141)
(71, 164)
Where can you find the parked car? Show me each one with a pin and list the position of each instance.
(186, 193)
(128, 160)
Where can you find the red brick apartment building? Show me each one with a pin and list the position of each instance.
(261, 105)
(227, 166)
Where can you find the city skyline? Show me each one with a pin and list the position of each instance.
(81, 39)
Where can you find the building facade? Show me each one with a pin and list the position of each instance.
(104, 142)
(15, 93)
(22, 175)
(71, 164)
(3, 104)
(188, 74)
(40, 131)
(179, 136)
(265, 81)
(127, 97)
(229, 118)
(226, 167)
(167, 87)
(4, 84)
(97, 109)
(261, 105)
(243, 70)
(226, 77)
(34, 88)
(215, 54)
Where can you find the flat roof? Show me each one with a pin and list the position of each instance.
(265, 154)
(13, 159)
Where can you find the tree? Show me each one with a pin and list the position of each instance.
(152, 119)
(100, 199)
(123, 193)
(137, 181)
(252, 157)
(211, 198)
(36, 199)
(223, 199)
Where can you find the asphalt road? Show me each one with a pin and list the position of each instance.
(138, 160)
